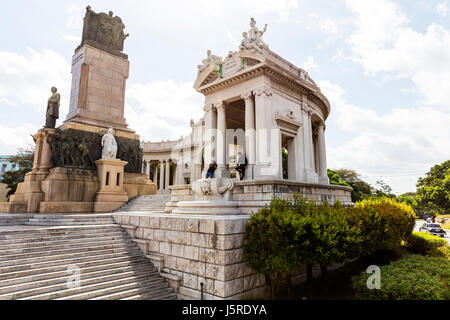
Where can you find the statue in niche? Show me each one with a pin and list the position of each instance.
(104, 29)
(210, 59)
(52, 113)
(253, 39)
(109, 145)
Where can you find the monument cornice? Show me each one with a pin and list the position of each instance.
(275, 73)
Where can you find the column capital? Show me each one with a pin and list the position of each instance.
(219, 105)
(321, 125)
(265, 90)
(306, 108)
(208, 107)
(247, 95)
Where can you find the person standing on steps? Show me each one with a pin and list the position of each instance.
(211, 169)
(242, 165)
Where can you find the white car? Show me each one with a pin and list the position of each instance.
(433, 228)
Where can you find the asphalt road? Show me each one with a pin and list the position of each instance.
(419, 223)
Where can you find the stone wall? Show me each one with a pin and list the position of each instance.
(3, 192)
(255, 194)
(191, 250)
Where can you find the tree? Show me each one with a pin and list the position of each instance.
(433, 191)
(361, 189)
(408, 198)
(334, 178)
(24, 160)
(383, 190)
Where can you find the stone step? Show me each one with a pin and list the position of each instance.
(99, 221)
(86, 290)
(61, 289)
(54, 278)
(32, 240)
(95, 260)
(138, 292)
(117, 291)
(58, 223)
(51, 253)
(8, 234)
(57, 245)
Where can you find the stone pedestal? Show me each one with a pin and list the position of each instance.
(98, 88)
(111, 194)
(29, 194)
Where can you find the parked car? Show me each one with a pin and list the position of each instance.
(433, 228)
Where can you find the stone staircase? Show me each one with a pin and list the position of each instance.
(40, 259)
(150, 203)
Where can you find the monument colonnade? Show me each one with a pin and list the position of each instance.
(258, 125)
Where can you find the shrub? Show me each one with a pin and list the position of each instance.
(422, 242)
(268, 246)
(413, 277)
(384, 222)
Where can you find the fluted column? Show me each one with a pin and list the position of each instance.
(250, 138)
(310, 174)
(323, 174)
(167, 179)
(221, 142)
(267, 163)
(161, 175)
(147, 169)
(210, 133)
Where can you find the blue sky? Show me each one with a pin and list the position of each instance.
(384, 65)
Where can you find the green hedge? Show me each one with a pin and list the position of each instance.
(413, 277)
(423, 242)
(281, 236)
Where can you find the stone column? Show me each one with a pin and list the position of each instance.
(167, 179)
(267, 164)
(221, 144)
(161, 175)
(250, 140)
(148, 169)
(210, 133)
(310, 175)
(323, 174)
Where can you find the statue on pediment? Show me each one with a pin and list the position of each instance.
(104, 29)
(253, 39)
(210, 59)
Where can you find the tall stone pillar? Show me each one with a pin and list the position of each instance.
(167, 179)
(323, 174)
(210, 135)
(310, 175)
(155, 174)
(250, 138)
(147, 171)
(221, 146)
(267, 149)
(161, 175)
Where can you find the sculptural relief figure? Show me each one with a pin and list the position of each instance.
(253, 39)
(210, 59)
(109, 145)
(52, 109)
(104, 29)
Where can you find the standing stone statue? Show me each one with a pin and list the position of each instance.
(52, 109)
(109, 145)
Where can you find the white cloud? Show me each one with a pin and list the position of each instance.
(161, 110)
(310, 66)
(442, 9)
(329, 26)
(27, 79)
(71, 38)
(74, 17)
(396, 146)
(12, 139)
(383, 42)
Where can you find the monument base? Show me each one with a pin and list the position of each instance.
(215, 207)
(111, 194)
